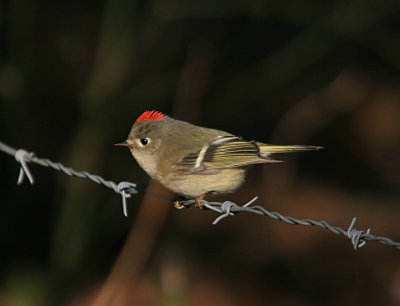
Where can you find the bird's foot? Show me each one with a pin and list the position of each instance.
(179, 204)
(182, 203)
(198, 204)
(197, 201)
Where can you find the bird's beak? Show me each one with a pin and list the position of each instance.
(123, 144)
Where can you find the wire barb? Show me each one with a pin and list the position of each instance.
(126, 189)
(357, 236)
(22, 157)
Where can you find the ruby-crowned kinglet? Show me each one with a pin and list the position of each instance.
(192, 160)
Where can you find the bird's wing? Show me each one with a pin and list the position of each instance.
(224, 152)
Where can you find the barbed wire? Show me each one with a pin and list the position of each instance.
(126, 189)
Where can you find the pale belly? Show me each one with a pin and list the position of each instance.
(194, 185)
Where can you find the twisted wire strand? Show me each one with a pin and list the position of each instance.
(23, 157)
(358, 237)
(125, 189)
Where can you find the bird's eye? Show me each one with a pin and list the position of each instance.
(144, 141)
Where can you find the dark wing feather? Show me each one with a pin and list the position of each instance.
(224, 152)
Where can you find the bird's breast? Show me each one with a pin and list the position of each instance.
(195, 184)
(147, 162)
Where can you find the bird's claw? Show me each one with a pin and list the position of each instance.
(189, 203)
(182, 204)
(198, 204)
(178, 205)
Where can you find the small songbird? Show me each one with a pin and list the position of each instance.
(192, 160)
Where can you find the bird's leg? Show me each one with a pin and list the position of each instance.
(198, 200)
(180, 204)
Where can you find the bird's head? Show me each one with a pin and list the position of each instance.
(144, 139)
(145, 133)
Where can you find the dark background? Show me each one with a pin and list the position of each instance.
(74, 75)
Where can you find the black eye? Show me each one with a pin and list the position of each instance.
(144, 141)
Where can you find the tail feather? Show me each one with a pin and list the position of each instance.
(266, 149)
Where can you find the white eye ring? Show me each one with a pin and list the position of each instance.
(144, 141)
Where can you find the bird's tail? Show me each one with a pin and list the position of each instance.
(266, 149)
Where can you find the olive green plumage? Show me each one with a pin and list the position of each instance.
(192, 160)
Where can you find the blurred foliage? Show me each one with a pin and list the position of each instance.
(74, 75)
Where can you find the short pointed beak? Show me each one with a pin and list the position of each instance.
(123, 144)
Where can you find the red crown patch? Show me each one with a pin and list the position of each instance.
(150, 116)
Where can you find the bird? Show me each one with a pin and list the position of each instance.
(195, 161)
